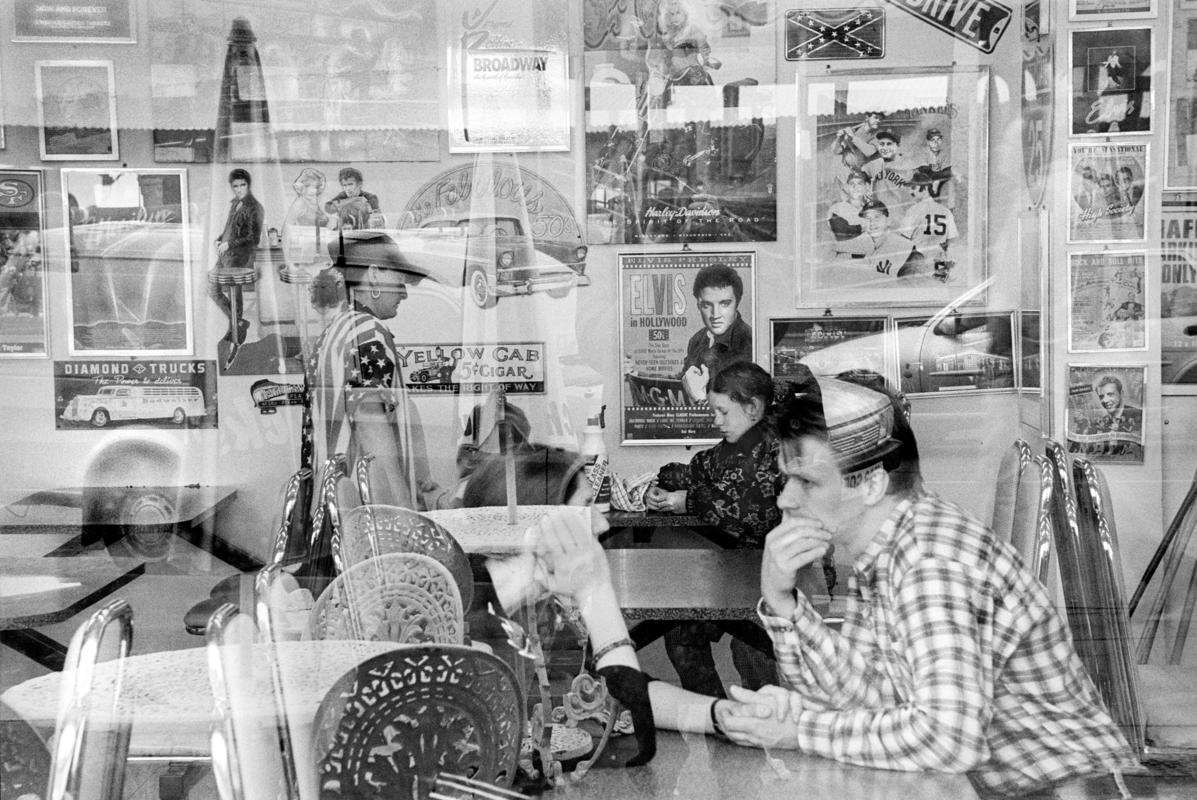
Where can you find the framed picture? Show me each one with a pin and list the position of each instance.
(1038, 101)
(1100, 10)
(1180, 161)
(955, 351)
(130, 273)
(1106, 186)
(1105, 296)
(1034, 285)
(1104, 413)
(97, 21)
(683, 317)
(135, 393)
(1110, 81)
(829, 345)
(1178, 296)
(892, 209)
(23, 274)
(76, 111)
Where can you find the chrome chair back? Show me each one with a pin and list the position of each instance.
(91, 740)
(270, 631)
(1006, 495)
(1032, 532)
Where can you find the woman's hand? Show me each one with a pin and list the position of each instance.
(658, 499)
(574, 562)
(789, 547)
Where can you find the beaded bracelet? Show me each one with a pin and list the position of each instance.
(607, 648)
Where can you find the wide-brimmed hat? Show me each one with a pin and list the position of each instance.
(860, 424)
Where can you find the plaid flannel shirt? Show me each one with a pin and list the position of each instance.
(951, 658)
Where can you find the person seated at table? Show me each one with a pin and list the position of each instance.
(951, 656)
(480, 437)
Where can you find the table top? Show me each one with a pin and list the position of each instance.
(42, 591)
(652, 519)
(487, 530)
(187, 505)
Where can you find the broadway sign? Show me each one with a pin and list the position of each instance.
(979, 23)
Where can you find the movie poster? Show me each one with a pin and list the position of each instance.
(1104, 414)
(681, 121)
(1178, 296)
(1110, 74)
(683, 317)
(140, 393)
(22, 269)
(1106, 186)
(1106, 295)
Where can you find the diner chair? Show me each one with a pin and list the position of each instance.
(92, 730)
(1015, 462)
(1032, 529)
(398, 597)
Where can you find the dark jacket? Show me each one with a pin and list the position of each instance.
(242, 231)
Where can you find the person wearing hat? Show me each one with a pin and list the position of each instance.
(844, 215)
(889, 171)
(883, 252)
(929, 224)
(939, 166)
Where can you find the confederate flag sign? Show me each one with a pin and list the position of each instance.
(835, 34)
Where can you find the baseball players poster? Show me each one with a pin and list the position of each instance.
(892, 167)
(1106, 292)
(1106, 188)
(684, 316)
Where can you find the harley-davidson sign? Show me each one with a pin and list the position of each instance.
(979, 23)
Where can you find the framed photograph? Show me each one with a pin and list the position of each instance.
(130, 261)
(1180, 162)
(1106, 308)
(683, 317)
(1034, 285)
(1178, 296)
(1106, 186)
(955, 351)
(1038, 101)
(894, 184)
(76, 111)
(1104, 413)
(1101, 10)
(97, 21)
(1110, 81)
(23, 274)
(135, 393)
(829, 345)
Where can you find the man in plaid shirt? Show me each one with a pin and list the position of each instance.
(951, 656)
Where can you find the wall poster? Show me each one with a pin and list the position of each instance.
(23, 274)
(459, 368)
(1110, 81)
(1180, 167)
(1104, 413)
(681, 121)
(96, 21)
(130, 261)
(1178, 296)
(143, 393)
(76, 111)
(1106, 184)
(1102, 10)
(1106, 301)
(956, 352)
(893, 161)
(1038, 101)
(829, 345)
(673, 341)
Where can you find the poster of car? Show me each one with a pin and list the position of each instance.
(1038, 101)
(23, 274)
(1106, 185)
(681, 121)
(683, 317)
(1102, 10)
(76, 111)
(1180, 159)
(1104, 413)
(144, 393)
(954, 352)
(461, 368)
(894, 186)
(829, 345)
(1110, 81)
(1178, 295)
(1106, 294)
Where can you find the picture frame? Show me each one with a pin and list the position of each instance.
(24, 281)
(929, 247)
(1178, 295)
(97, 22)
(1104, 414)
(1102, 10)
(130, 261)
(1180, 140)
(829, 345)
(1107, 303)
(1109, 81)
(1107, 184)
(672, 347)
(955, 352)
(76, 111)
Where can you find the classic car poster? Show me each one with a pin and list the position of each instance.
(1106, 301)
(1104, 413)
(953, 352)
(357, 80)
(76, 111)
(141, 393)
(1110, 81)
(96, 21)
(835, 34)
(507, 73)
(672, 341)
(1038, 100)
(891, 168)
(1180, 167)
(130, 261)
(1178, 296)
(461, 368)
(829, 345)
(681, 121)
(1101, 10)
(1106, 185)
(22, 268)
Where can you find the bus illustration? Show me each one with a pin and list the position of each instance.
(176, 403)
